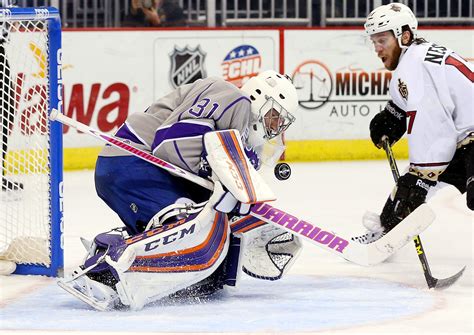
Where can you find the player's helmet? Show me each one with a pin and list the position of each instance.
(391, 17)
(273, 102)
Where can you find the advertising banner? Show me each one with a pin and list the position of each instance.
(181, 57)
(110, 74)
(340, 81)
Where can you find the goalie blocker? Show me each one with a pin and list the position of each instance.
(194, 253)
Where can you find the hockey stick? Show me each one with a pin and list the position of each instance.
(430, 280)
(362, 254)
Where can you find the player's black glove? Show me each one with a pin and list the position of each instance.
(390, 122)
(410, 193)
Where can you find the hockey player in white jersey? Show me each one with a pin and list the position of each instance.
(432, 102)
(177, 238)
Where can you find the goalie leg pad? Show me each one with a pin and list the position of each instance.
(269, 252)
(158, 270)
(154, 264)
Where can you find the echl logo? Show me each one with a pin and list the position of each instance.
(187, 65)
(241, 64)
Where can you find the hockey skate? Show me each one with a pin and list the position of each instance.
(93, 293)
(95, 288)
(375, 231)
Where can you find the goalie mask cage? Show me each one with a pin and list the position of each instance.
(31, 86)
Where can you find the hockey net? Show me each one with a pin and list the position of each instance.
(31, 171)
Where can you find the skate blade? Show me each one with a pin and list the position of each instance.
(102, 306)
(402, 234)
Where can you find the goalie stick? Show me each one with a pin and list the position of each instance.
(430, 280)
(362, 254)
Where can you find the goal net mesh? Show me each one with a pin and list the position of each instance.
(25, 210)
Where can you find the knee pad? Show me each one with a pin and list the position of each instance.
(182, 208)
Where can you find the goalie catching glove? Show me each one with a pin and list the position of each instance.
(390, 122)
(409, 193)
(269, 252)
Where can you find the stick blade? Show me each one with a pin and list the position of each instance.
(440, 284)
(403, 233)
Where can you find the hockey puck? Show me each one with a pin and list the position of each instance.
(282, 171)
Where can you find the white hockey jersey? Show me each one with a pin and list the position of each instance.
(435, 87)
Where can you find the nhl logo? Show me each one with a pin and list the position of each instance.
(403, 89)
(187, 65)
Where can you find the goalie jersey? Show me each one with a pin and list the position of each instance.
(434, 86)
(172, 127)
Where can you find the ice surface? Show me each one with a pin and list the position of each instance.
(322, 292)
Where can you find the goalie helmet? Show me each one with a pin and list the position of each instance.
(392, 17)
(273, 102)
